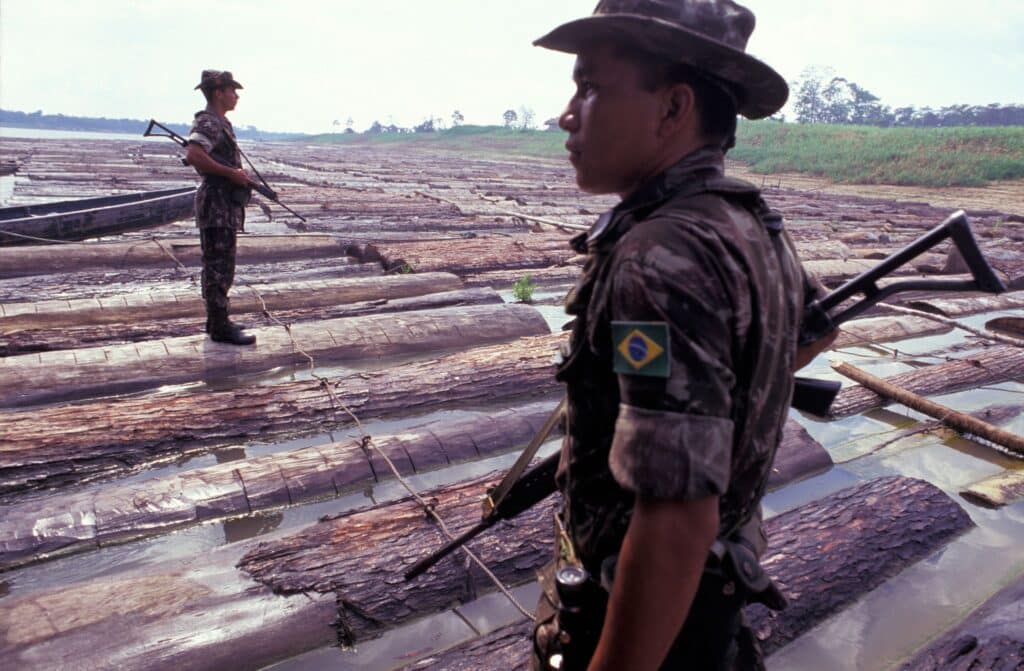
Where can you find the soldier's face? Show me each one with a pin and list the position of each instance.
(613, 123)
(227, 98)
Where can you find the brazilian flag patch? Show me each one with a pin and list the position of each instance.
(641, 348)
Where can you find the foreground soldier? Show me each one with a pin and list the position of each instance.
(679, 370)
(220, 200)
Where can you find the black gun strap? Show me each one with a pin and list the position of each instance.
(497, 495)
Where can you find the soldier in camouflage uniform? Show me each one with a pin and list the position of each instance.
(680, 366)
(220, 200)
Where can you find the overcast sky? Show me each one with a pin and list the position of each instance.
(305, 63)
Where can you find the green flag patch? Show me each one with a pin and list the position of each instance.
(641, 348)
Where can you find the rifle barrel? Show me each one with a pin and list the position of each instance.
(424, 564)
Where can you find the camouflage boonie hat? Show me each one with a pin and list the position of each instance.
(708, 35)
(215, 79)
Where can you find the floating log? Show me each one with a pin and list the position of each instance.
(824, 555)
(54, 376)
(44, 259)
(470, 255)
(47, 447)
(997, 491)
(82, 521)
(874, 330)
(997, 364)
(168, 305)
(504, 279)
(45, 340)
(1013, 326)
(958, 420)
(968, 305)
(990, 639)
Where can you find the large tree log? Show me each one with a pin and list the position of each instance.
(45, 340)
(168, 305)
(990, 366)
(54, 376)
(47, 447)
(44, 259)
(967, 305)
(471, 255)
(823, 555)
(886, 329)
(81, 521)
(990, 639)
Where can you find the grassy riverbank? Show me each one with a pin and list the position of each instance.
(844, 154)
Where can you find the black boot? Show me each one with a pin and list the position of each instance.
(222, 330)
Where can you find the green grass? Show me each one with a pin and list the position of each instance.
(523, 289)
(847, 154)
(866, 155)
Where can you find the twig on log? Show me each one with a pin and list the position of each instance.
(957, 420)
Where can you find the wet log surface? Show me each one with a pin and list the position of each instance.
(54, 376)
(73, 337)
(823, 555)
(998, 490)
(957, 307)
(22, 261)
(47, 447)
(167, 305)
(997, 364)
(990, 639)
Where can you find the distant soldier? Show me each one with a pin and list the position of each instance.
(220, 200)
(679, 370)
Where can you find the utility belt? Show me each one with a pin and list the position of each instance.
(239, 195)
(732, 578)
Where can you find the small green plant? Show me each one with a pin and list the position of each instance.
(523, 289)
(404, 269)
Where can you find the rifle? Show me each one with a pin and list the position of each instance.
(514, 494)
(261, 188)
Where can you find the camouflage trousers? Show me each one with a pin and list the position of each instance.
(218, 245)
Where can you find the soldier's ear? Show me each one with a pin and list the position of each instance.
(678, 108)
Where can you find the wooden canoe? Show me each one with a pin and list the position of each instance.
(94, 217)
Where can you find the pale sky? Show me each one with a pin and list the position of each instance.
(305, 63)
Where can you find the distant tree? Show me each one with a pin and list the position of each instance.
(349, 123)
(552, 124)
(526, 118)
(375, 128)
(510, 118)
(807, 101)
(425, 127)
(457, 118)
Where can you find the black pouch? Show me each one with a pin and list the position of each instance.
(740, 563)
(240, 195)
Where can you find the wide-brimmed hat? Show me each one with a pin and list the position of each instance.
(215, 79)
(708, 35)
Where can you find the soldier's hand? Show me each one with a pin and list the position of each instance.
(240, 177)
(806, 353)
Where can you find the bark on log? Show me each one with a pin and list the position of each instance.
(48, 447)
(55, 376)
(823, 555)
(46, 340)
(84, 520)
(44, 259)
(886, 329)
(998, 490)
(990, 639)
(504, 279)
(957, 420)
(988, 367)
(166, 305)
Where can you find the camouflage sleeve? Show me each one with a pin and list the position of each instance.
(813, 287)
(205, 130)
(673, 437)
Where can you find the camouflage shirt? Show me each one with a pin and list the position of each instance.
(219, 203)
(678, 371)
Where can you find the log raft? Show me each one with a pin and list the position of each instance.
(168, 305)
(43, 259)
(55, 376)
(48, 447)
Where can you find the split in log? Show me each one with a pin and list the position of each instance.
(44, 259)
(957, 420)
(46, 340)
(990, 639)
(824, 555)
(163, 305)
(55, 376)
(997, 364)
(49, 447)
(998, 490)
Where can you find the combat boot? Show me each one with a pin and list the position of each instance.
(222, 330)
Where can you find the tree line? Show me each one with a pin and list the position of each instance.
(819, 96)
(42, 121)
